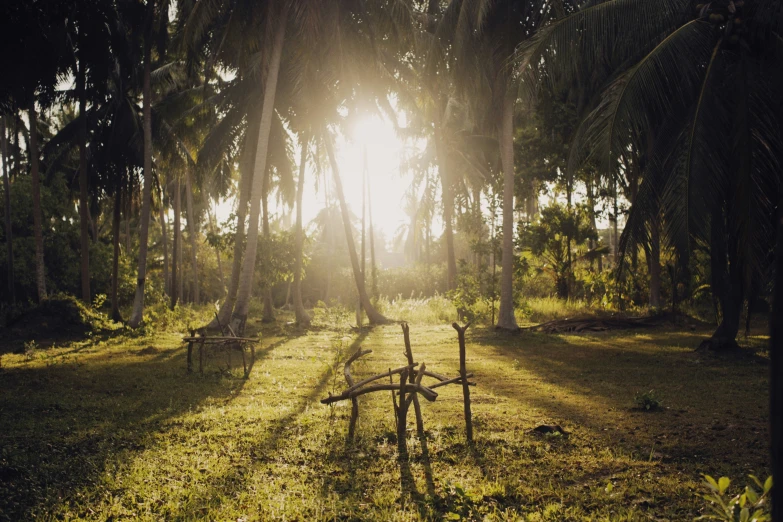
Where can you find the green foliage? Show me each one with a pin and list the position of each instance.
(466, 295)
(558, 238)
(752, 505)
(647, 401)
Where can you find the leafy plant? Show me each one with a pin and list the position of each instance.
(647, 401)
(748, 506)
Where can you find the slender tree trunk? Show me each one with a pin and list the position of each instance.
(359, 315)
(115, 264)
(192, 233)
(302, 317)
(726, 273)
(448, 201)
(616, 236)
(372, 314)
(213, 228)
(40, 274)
(269, 305)
(9, 237)
(84, 211)
(506, 319)
(146, 203)
(373, 265)
(247, 165)
(176, 248)
(128, 207)
(655, 263)
(242, 305)
(183, 298)
(164, 233)
(776, 373)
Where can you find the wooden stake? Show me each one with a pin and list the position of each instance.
(464, 378)
(409, 355)
(402, 446)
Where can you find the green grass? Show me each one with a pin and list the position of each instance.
(110, 429)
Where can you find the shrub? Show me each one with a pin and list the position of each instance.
(748, 506)
(647, 401)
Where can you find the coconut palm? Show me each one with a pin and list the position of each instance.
(482, 35)
(689, 97)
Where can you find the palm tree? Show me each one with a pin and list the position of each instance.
(302, 317)
(8, 229)
(146, 201)
(40, 275)
(239, 315)
(192, 231)
(482, 36)
(34, 39)
(688, 91)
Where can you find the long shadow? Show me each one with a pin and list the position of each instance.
(266, 446)
(607, 375)
(64, 424)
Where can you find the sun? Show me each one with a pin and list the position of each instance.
(375, 137)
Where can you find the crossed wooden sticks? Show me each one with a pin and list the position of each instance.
(408, 389)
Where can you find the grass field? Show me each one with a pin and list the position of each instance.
(115, 429)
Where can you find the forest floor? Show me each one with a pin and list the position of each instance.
(115, 429)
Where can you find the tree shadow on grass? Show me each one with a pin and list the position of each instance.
(267, 448)
(589, 383)
(65, 422)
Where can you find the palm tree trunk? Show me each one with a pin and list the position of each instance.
(9, 238)
(164, 232)
(776, 373)
(192, 232)
(239, 316)
(359, 314)
(245, 183)
(115, 265)
(448, 202)
(372, 314)
(84, 212)
(176, 248)
(146, 193)
(506, 319)
(269, 308)
(183, 298)
(214, 230)
(40, 274)
(373, 266)
(655, 263)
(302, 317)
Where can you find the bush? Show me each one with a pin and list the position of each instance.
(749, 506)
(647, 401)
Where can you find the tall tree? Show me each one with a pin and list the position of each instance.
(84, 211)
(9, 245)
(146, 201)
(239, 316)
(192, 230)
(698, 79)
(302, 317)
(40, 274)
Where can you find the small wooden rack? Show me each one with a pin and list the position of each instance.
(227, 340)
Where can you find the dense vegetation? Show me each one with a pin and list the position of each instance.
(592, 157)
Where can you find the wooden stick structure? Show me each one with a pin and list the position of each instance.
(227, 339)
(408, 389)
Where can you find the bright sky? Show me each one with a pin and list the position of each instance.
(384, 155)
